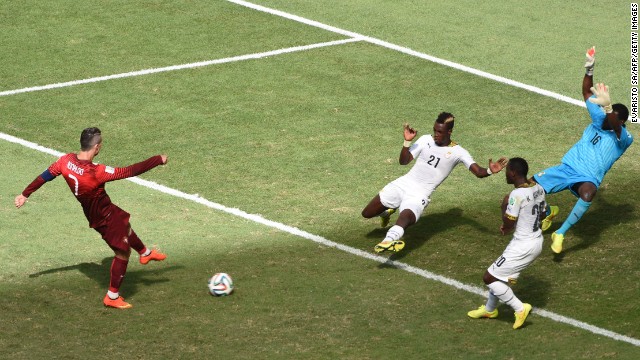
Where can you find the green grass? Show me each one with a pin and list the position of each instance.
(305, 139)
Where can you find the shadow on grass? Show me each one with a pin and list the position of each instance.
(589, 229)
(427, 227)
(100, 274)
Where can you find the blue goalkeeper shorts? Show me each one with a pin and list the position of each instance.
(562, 177)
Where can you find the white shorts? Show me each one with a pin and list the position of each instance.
(395, 197)
(515, 258)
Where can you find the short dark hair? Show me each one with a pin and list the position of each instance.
(90, 137)
(623, 112)
(443, 117)
(519, 165)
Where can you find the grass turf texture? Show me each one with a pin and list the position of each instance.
(305, 139)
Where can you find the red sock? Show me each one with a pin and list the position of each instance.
(136, 243)
(118, 269)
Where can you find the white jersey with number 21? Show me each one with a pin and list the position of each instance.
(433, 164)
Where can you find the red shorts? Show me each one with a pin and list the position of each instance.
(116, 230)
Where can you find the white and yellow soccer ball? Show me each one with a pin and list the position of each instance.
(220, 284)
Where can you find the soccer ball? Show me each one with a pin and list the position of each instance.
(220, 284)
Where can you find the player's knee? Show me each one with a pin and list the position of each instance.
(587, 193)
(488, 278)
(123, 254)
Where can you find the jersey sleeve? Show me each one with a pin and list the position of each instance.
(107, 173)
(466, 158)
(417, 147)
(48, 175)
(55, 169)
(596, 112)
(513, 207)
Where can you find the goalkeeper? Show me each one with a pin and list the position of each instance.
(583, 167)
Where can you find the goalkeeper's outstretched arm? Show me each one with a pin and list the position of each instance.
(587, 81)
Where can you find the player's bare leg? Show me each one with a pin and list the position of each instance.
(375, 208)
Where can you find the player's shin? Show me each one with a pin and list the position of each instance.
(503, 292)
(576, 214)
(492, 302)
(118, 269)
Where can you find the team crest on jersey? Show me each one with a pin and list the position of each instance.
(109, 169)
(541, 173)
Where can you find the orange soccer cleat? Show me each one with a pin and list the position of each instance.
(154, 255)
(118, 303)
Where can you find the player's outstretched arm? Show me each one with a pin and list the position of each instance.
(111, 174)
(587, 81)
(31, 188)
(409, 134)
(494, 167)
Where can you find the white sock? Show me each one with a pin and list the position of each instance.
(503, 292)
(395, 233)
(113, 295)
(492, 302)
(146, 252)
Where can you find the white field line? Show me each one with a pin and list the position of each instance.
(180, 67)
(321, 240)
(411, 52)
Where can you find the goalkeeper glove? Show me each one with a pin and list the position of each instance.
(590, 61)
(601, 91)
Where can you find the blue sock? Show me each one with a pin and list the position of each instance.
(576, 213)
(548, 210)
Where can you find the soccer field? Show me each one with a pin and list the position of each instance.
(281, 120)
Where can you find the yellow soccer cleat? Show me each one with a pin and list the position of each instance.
(118, 303)
(482, 312)
(389, 245)
(556, 242)
(522, 316)
(385, 216)
(546, 223)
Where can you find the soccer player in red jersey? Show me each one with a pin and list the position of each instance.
(87, 182)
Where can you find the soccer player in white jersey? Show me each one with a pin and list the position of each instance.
(584, 166)
(523, 209)
(435, 157)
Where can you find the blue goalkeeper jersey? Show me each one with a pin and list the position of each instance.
(598, 149)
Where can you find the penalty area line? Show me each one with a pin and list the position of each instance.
(323, 241)
(180, 67)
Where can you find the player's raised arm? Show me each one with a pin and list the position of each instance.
(587, 81)
(409, 134)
